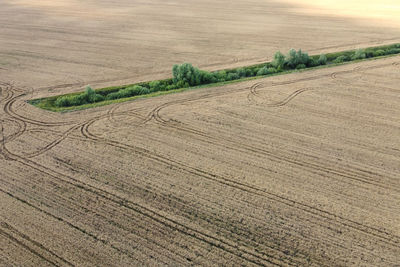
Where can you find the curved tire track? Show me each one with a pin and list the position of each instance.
(290, 97)
(334, 218)
(9, 110)
(246, 254)
(360, 175)
(356, 175)
(21, 130)
(31, 245)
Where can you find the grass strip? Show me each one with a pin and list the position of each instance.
(186, 77)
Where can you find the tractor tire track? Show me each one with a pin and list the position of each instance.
(281, 103)
(359, 175)
(254, 93)
(112, 113)
(226, 246)
(5, 89)
(55, 132)
(290, 97)
(21, 130)
(372, 231)
(104, 218)
(186, 210)
(57, 218)
(266, 246)
(48, 171)
(85, 132)
(9, 110)
(351, 174)
(32, 245)
(52, 144)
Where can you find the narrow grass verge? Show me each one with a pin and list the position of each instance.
(186, 77)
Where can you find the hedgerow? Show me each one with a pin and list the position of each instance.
(322, 60)
(297, 59)
(185, 75)
(341, 59)
(89, 96)
(279, 61)
(359, 54)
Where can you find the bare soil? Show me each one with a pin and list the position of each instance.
(298, 169)
(66, 45)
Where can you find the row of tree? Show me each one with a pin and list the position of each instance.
(186, 75)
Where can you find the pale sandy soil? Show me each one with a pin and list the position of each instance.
(65, 45)
(381, 12)
(301, 169)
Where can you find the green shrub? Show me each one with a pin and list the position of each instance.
(359, 54)
(128, 92)
(89, 96)
(340, 59)
(392, 51)
(304, 58)
(114, 95)
(279, 60)
(262, 71)
(241, 72)
(186, 75)
(78, 100)
(294, 59)
(99, 98)
(220, 76)
(155, 86)
(291, 59)
(171, 87)
(322, 59)
(208, 77)
(89, 90)
(301, 66)
(232, 76)
(313, 62)
(378, 53)
(265, 70)
(250, 72)
(369, 53)
(62, 101)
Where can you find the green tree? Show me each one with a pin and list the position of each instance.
(295, 58)
(90, 95)
(322, 59)
(340, 59)
(279, 60)
(359, 54)
(186, 75)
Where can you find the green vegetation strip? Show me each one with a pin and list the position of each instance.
(185, 77)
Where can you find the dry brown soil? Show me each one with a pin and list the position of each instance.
(300, 169)
(67, 44)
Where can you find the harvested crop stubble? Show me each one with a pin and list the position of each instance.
(283, 177)
(293, 170)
